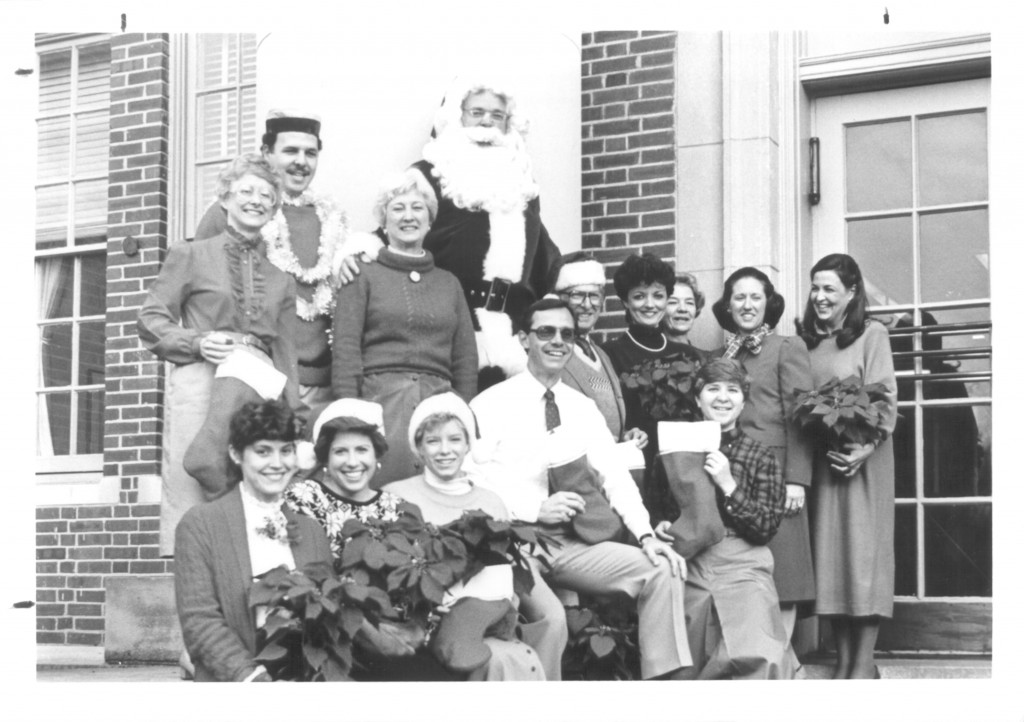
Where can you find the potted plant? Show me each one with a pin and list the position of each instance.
(602, 642)
(847, 411)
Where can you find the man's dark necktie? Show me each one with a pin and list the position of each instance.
(587, 348)
(551, 416)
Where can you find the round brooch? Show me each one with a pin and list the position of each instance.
(415, 276)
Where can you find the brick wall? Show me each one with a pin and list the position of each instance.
(78, 546)
(629, 156)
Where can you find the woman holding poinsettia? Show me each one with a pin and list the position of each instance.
(853, 506)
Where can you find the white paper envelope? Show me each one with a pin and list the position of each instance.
(688, 436)
(630, 455)
(267, 381)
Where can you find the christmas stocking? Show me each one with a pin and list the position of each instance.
(458, 642)
(683, 447)
(245, 376)
(569, 470)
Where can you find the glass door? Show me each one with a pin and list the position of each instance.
(905, 191)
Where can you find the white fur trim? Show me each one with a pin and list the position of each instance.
(700, 436)
(579, 274)
(495, 344)
(253, 370)
(508, 246)
(563, 445)
(448, 402)
(369, 411)
(450, 110)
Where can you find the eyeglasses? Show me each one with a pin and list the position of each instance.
(546, 333)
(578, 297)
(246, 192)
(497, 116)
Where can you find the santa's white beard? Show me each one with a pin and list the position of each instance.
(482, 168)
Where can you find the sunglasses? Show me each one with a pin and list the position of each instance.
(546, 333)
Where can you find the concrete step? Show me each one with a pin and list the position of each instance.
(914, 668)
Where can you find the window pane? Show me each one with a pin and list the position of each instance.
(967, 347)
(217, 59)
(93, 76)
(54, 286)
(54, 149)
(953, 158)
(217, 123)
(51, 217)
(884, 249)
(92, 142)
(206, 186)
(248, 52)
(249, 140)
(90, 210)
(956, 453)
(958, 550)
(954, 255)
(90, 353)
(93, 301)
(905, 542)
(55, 81)
(56, 354)
(90, 423)
(903, 449)
(53, 437)
(878, 166)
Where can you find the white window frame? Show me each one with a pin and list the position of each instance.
(74, 469)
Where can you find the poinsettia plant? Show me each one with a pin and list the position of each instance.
(602, 642)
(664, 388)
(414, 561)
(313, 615)
(847, 411)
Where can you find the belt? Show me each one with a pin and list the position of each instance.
(499, 295)
(488, 295)
(247, 339)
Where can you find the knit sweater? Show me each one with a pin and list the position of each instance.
(441, 508)
(403, 314)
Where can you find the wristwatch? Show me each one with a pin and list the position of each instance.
(648, 535)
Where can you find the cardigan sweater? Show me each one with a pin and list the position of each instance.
(403, 314)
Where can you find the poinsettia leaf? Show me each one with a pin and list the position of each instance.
(431, 589)
(315, 655)
(352, 553)
(351, 620)
(398, 578)
(313, 610)
(395, 558)
(602, 645)
(272, 653)
(374, 554)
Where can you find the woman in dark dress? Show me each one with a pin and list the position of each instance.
(644, 284)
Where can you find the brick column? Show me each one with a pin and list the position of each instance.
(629, 150)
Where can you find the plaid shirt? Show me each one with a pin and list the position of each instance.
(755, 508)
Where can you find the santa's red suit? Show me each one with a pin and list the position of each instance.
(493, 240)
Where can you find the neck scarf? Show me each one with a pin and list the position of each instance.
(751, 341)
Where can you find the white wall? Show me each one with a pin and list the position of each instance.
(377, 95)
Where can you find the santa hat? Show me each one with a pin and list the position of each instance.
(451, 107)
(358, 415)
(444, 403)
(584, 272)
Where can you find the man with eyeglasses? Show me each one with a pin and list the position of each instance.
(579, 280)
(488, 230)
(531, 426)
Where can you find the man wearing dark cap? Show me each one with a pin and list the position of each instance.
(303, 240)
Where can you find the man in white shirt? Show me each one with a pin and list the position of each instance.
(515, 420)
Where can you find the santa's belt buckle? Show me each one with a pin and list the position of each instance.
(497, 295)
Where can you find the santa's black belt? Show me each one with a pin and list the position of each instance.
(499, 295)
(247, 339)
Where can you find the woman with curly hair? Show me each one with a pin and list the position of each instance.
(221, 546)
